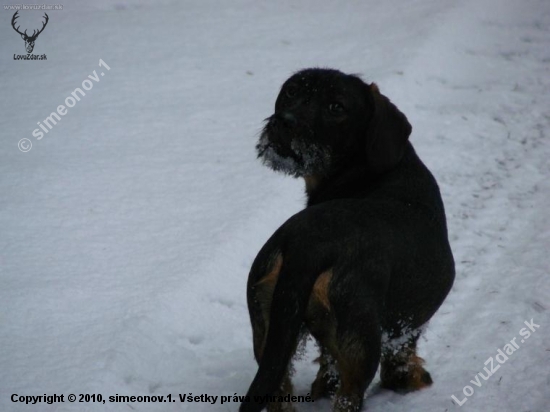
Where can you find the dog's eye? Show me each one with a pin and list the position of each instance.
(291, 91)
(336, 108)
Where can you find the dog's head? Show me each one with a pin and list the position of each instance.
(326, 120)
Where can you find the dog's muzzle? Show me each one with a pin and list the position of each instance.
(287, 146)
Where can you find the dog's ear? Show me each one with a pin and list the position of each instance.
(387, 133)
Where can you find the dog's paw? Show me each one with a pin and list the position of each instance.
(410, 380)
(347, 403)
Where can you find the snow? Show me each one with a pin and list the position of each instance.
(128, 230)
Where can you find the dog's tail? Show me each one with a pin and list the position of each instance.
(290, 299)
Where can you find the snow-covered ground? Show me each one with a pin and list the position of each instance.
(127, 232)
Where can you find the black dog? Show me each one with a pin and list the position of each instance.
(366, 264)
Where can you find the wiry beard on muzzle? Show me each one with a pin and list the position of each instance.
(304, 159)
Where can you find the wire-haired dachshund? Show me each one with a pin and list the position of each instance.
(366, 264)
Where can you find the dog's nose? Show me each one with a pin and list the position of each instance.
(286, 118)
(289, 118)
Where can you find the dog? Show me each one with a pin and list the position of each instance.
(365, 265)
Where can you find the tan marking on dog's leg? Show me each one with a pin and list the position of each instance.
(404, 371)
(273, 273)
(264, 294)
(349, 395)
(417, 374)
(321, 289)
(357, 358)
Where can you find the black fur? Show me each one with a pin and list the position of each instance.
(374, 225)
